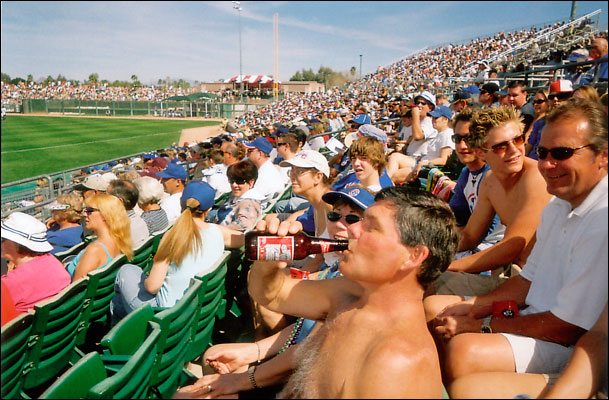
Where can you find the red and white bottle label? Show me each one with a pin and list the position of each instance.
(273, 248)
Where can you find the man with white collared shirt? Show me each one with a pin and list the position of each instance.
(270, 179)
(173, 179)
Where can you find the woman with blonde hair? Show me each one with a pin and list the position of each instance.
(588, 93)
(105, 215)
(64, 229)
(192, 246)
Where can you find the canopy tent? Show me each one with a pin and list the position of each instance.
(262, 79)
(201, 95)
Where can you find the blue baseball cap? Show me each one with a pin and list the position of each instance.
(200, 191)
(461, 94)
(261, 144)
(441, 111)
(361, 119)
(354, 195)
(174, 171)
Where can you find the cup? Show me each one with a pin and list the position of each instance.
(505, 309)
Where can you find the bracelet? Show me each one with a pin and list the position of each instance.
(258, 347)
(250, 373)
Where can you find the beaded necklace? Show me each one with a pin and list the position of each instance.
(293, 335)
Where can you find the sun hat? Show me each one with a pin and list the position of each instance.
(27, 231)
(174, 171)
(308, 159)
(373, 131)
(425, 95)
(92, 182)
(200, 191)
(358, 196)
(56, 206)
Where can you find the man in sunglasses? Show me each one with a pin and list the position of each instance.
(512, 190)
(488, 95)
(562, 289)
(560, 91)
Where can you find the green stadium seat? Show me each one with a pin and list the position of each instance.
(15, 336)
(211, 304)
(89, 378)
(157, 236)
(52, 341)
(72, 251)
(220, 199)
(100, 291)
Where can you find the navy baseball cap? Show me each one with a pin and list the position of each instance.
(200, 191)
(261, 144)
(441, 111)
(174, 171)
(354, 195)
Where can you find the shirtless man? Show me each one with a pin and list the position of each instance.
(375, 343)
(513, 189)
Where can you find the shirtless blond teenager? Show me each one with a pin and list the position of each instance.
(375, 342)
(513, 189)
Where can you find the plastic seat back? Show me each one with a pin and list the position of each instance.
(133, 379)
(157, 236)
(176, 325)
(75, 382)
(100, 291)
(15, 336)
(129, 333)
(72, 251)
(143, 253)
(55, 327)
(211, 304)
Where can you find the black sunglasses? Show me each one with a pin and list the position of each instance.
(559, 96)
(349, 218)
(502, 147)
(540, 101)
(238, 181)
(420, 103)
(557, 153)
(89, 210)
(458, 138)
(483, 91)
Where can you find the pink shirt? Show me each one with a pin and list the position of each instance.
(36, 280)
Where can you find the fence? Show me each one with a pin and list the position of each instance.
(204, 109)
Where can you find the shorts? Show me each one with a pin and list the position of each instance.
(466, 284)
(537, 356)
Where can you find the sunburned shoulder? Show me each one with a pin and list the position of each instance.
(400, 367)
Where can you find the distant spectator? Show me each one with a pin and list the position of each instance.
(517, 98)
(488, 95)
(105, 215)
(128, 194)
(541, 103)
(598, 51)
(270, 179)
(173, 179)
(34, 274)
(587, 92)
(92, 185)
(64, 228)
(150, 195)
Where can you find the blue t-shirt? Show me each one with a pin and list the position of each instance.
(63, 239)
(308, 221)
(351, 179)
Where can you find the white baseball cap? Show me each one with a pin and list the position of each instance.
(309, 159)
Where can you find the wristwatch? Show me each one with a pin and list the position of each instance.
(486, 325)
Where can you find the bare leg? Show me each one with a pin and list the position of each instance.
(398, 161)
(496, 385)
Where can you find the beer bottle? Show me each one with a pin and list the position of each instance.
(264, 246)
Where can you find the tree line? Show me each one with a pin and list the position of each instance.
(325, 75)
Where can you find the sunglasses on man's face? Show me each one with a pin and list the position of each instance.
(558, 153)
(349, 218)
(559, 96)
(420, 103)
(281, 144)
(458, 138)
(503, 146)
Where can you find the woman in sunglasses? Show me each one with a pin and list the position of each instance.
(541, 104)
(242, 209)
(230, 361)
(105, 215)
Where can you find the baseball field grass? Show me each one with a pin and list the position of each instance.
(35, 145)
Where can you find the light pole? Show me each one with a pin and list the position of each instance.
(360, 66)
(237, 6)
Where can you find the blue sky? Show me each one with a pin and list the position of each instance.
(200, 40)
